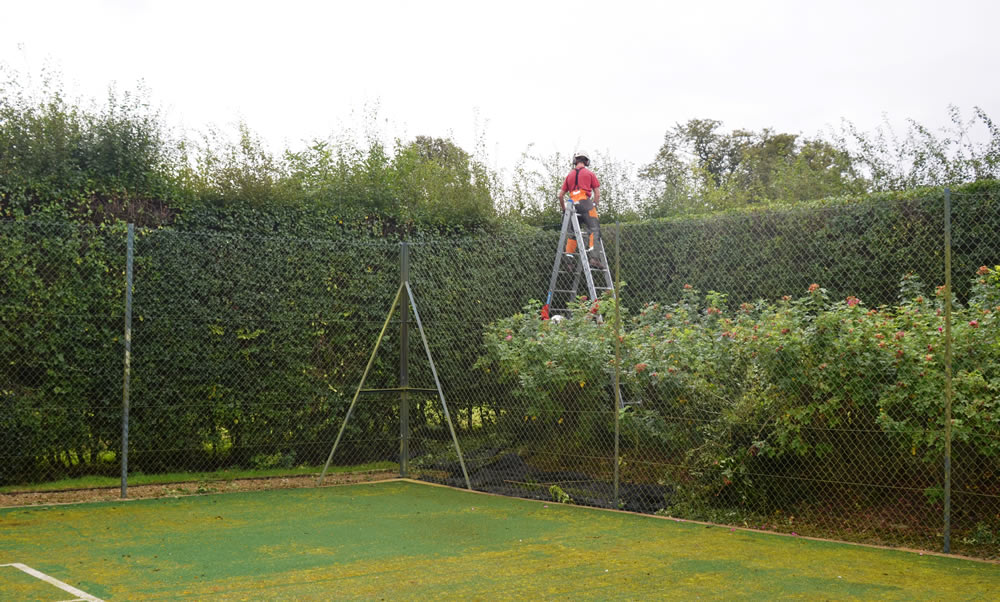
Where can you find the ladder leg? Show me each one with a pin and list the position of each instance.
(584, 260)
(549, 298)
(606, 268)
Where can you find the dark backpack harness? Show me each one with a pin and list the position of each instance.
(576, 184)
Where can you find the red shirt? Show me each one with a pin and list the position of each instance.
(588, 181)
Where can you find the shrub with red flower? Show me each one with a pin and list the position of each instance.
(839, 373)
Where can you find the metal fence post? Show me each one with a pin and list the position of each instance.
(404, 382)
(947, 369)
(130, 246)
(618, 353)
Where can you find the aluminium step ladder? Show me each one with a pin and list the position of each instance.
(569, 269)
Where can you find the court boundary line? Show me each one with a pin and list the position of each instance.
(706, 524)
(80, 594)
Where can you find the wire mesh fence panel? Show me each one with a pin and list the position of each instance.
(246, 350)
(779, 380)
(757, 368)
(975, 411)
(780, 368)
(554, 441)
(61, 361)
(783, 368)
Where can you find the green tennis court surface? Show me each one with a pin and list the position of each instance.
(407, 540)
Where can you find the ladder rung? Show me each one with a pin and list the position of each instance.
(562, 291)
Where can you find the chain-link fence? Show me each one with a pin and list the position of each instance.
(786, 368)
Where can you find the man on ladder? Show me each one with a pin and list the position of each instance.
(585, 192)
(581, 184)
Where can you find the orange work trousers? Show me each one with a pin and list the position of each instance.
(587, 213)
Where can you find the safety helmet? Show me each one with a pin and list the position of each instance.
(582, 154)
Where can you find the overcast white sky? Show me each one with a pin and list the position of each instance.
(609, 76)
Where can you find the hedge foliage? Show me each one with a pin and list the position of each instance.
(766, 405)
(855, 246)
(61, 316)
(244, 345)
(252, 326)
(63, 158)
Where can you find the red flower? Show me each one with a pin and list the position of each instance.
(640, 367)
(813, 287)
(852, 301)
(983, 270)
(974, 323)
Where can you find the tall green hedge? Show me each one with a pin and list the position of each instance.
(855, 247)
(251, 328)
(61, 316)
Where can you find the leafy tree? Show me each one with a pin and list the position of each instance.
(437, 182)
(342, 175)
(230, 173)
(530, 193)
(817, 170)
(701, 168)
(95, 163)
(966, 151)
(621, 191)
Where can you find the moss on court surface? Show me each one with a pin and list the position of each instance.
(407, 540)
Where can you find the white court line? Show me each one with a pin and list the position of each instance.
(80, 595)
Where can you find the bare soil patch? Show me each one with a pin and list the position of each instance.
(159, 490)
